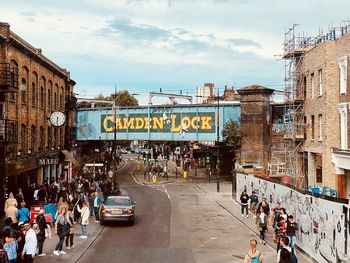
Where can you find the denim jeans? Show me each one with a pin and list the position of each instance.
(244, 207)
(292, 241)
(84, 230)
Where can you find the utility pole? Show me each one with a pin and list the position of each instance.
(217, 144)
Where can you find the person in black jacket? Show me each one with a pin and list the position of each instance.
(41, 221)
(254, 200)
(244, 202)
(291, 231)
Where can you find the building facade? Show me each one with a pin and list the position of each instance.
(31, 88)
(323, 82)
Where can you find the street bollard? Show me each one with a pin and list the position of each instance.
(154, 179)
(185, 174)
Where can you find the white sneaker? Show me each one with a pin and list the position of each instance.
(62, 252)
(56, 253)
(82, 236)
(42, 255)
(68, 248)
(260, 241)
(242, 215)
(96, 221)
(247, 216)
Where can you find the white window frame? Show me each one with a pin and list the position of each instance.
(320, 79)
(320, 126)
(343, 74)
(343, 111)
(312, 80)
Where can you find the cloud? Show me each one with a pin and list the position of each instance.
(244, 42)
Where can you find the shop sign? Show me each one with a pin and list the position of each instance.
(46, 161)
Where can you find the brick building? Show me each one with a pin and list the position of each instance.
(322, 83)
(31, 88)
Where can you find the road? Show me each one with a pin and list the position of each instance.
(174, 223)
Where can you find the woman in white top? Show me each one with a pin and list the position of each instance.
(84, 213)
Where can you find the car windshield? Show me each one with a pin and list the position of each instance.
(117, 201)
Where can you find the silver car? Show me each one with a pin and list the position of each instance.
(117, 208)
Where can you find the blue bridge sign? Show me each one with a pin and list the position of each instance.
(156, 123)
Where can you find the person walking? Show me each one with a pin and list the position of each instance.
(253, 255)
(262, 224)
(244, 202)
(31, 243)
(11, 212)
(97, 201)
(9, 201)
(61, 228)
(42, 225)
(70, 234)
(84, 213)
(291, 229)
(10, 246)
(285, 255)
(254, 200)
(23, 213)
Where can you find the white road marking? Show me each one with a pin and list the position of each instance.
(166, 192)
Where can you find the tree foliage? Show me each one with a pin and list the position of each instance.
(232, 135)
(121, 98)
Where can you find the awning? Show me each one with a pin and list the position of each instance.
(93, 164)
(69, 157)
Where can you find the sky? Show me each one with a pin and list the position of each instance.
(173, 45)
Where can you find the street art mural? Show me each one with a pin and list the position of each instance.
(323, 225)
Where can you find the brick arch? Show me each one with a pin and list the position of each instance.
(14, 63)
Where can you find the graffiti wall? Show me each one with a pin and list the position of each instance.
(323, 225)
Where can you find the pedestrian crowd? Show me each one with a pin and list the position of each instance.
(283, 225)
(61, 205)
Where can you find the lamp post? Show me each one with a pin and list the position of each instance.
(217, 145)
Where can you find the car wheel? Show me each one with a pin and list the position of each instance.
(101, 223)
(132, 221)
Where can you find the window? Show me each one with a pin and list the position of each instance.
(33, 93)
(318, 166)
(42, 100)
(320, 79)
(23, 137)
(312, 85)
(42, 138)
(23, 91)
(343, 111)
(55, 101)
(55, 137)
(33, 138)
(304, 86)
(49, 137)
(49, 99)
(320, 124)
(312, 127)
(61, 137)
(343, 72)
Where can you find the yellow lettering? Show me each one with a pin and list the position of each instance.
(187, 121)
(173, 122)
(128, 124)
(146, 123)
(194, 123)
(118, 124)
(105, 123)
(205, 123)
(158, 123)
(139, 123)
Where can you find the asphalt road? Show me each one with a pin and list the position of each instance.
(176, 223)
(149, 239)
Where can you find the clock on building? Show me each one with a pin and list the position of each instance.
(57, 118)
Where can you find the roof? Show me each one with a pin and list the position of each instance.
(255, 89)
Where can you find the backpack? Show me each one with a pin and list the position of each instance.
(255, 259)
(293, 257)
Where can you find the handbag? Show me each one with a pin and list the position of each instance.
(72, 230)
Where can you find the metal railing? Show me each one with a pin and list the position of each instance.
(8, 78)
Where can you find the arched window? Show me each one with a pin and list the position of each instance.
(33, 138)
(61, 137)
(62, 99)
(49, 92)
(49, 137)
(33, 93)
(42, 92)
(14, 77)
(55, 101)
(42, 138)
(23, 90)
(23, 137)
(55, 137)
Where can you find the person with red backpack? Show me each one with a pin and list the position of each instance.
(253, 255)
